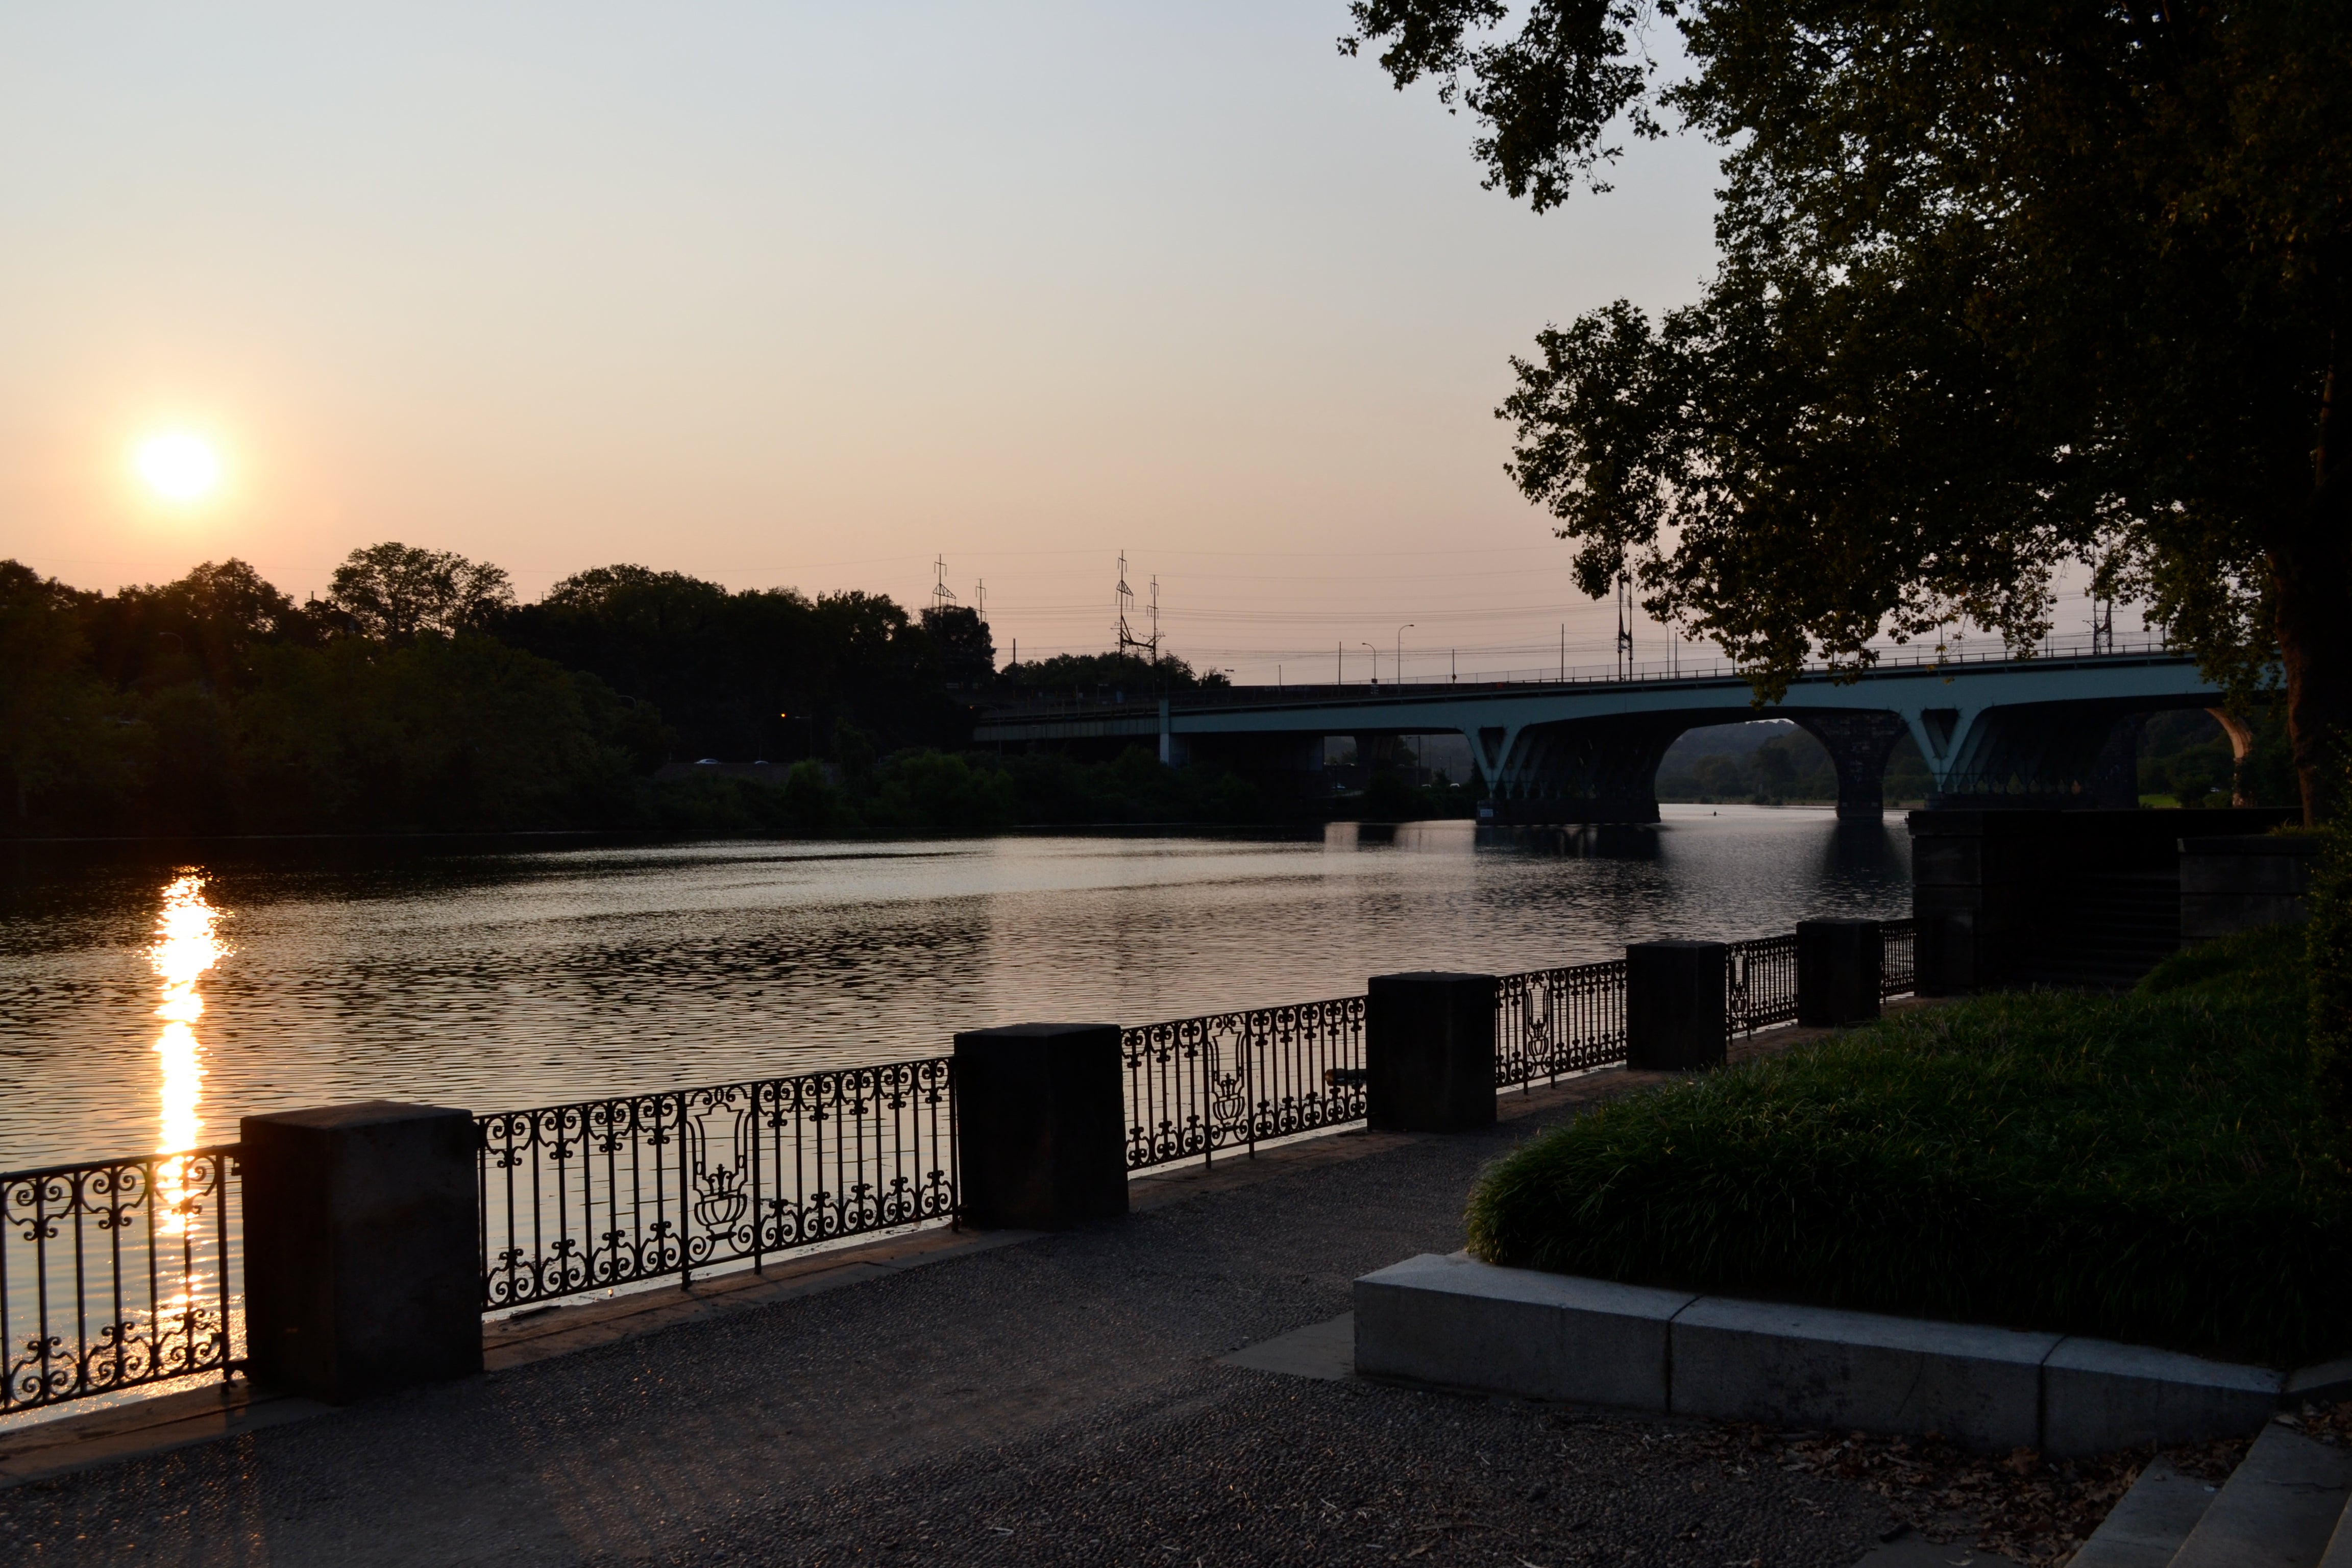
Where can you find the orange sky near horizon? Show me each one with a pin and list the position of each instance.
(807, 296)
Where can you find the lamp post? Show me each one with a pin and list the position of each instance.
(1376, 662)
(1400, 659)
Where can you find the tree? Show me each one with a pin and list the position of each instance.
(966, 649)
(393, 592)
(207, 626)
(2001, 288)
(49, 705)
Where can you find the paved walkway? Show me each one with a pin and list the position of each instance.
(1014, 1400)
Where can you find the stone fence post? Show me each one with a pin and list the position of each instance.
(1677, 1009)
(1838, 968)
(1041, 1126)
(363, 1248)
(1429, 1052)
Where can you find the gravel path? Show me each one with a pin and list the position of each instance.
(1054, 1402)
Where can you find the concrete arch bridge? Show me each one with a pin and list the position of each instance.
(2045, 731)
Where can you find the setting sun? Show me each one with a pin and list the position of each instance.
(179, 467)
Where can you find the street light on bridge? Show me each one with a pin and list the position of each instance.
(1376, 662)
(1399, 662)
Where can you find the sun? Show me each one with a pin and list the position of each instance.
(178, 466)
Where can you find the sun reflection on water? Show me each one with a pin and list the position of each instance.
(184, 948)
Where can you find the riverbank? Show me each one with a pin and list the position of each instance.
(1060, 1399)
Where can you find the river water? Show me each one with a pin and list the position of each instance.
(150, 997)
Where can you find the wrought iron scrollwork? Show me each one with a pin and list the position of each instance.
(1551, 1022)
(1760, 983)
(1898, 964)
(606, 1192)
(1236, 1080)
(113, 1273)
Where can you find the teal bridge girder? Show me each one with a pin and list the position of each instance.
(2058, 730)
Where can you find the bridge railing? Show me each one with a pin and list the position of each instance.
(1143, 703)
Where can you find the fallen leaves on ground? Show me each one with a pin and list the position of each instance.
(2027, 1508)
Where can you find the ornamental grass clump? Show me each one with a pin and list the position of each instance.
(2151, 1167)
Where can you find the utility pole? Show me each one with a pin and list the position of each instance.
(1624, 627)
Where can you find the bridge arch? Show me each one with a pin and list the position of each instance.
(2056, 731)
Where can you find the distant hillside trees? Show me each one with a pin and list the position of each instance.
(419, 695)
(1103, 677)
(754, 673)
(215, 704)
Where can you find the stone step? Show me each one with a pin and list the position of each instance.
(2147, 1526)
(2340, 1545)
(2278, 1509)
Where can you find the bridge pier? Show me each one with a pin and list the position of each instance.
(2046, 755)
(1585, 771)
(1858, 742)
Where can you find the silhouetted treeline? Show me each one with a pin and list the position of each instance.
(419, 695)
(1096, 676)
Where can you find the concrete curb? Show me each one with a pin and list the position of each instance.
(1456, 1323)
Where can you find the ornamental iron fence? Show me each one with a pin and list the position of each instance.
(1898, 964)
(115, 1273)
(1235, 1079)
(1760, 983)
(122, 1273)
(603, 1192)
(1548, 1022)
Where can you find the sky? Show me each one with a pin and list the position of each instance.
(812, 296)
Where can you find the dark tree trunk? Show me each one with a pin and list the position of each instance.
(2311, 571)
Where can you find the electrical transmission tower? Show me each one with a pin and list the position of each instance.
(1128, 641)
(942, 597)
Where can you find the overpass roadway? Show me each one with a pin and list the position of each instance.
(2041, 731)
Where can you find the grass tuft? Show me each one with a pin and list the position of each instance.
(2149, 1167)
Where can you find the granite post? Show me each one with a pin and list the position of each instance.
(1676, 1004)
(1041, 1126)
(1838, 968)
(1429, 1052)
(363, 1248)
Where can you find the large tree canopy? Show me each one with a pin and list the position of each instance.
(2002, 286)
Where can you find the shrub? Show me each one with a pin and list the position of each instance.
(2151, 1167)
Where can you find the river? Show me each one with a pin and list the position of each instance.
(149, 997)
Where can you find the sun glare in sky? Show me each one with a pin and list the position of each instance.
(178, 466)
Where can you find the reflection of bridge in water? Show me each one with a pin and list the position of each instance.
(2053, 730)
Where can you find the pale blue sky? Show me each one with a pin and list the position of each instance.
(797, 294)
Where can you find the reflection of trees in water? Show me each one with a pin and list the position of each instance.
(1579, 841)
(1863, 849)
